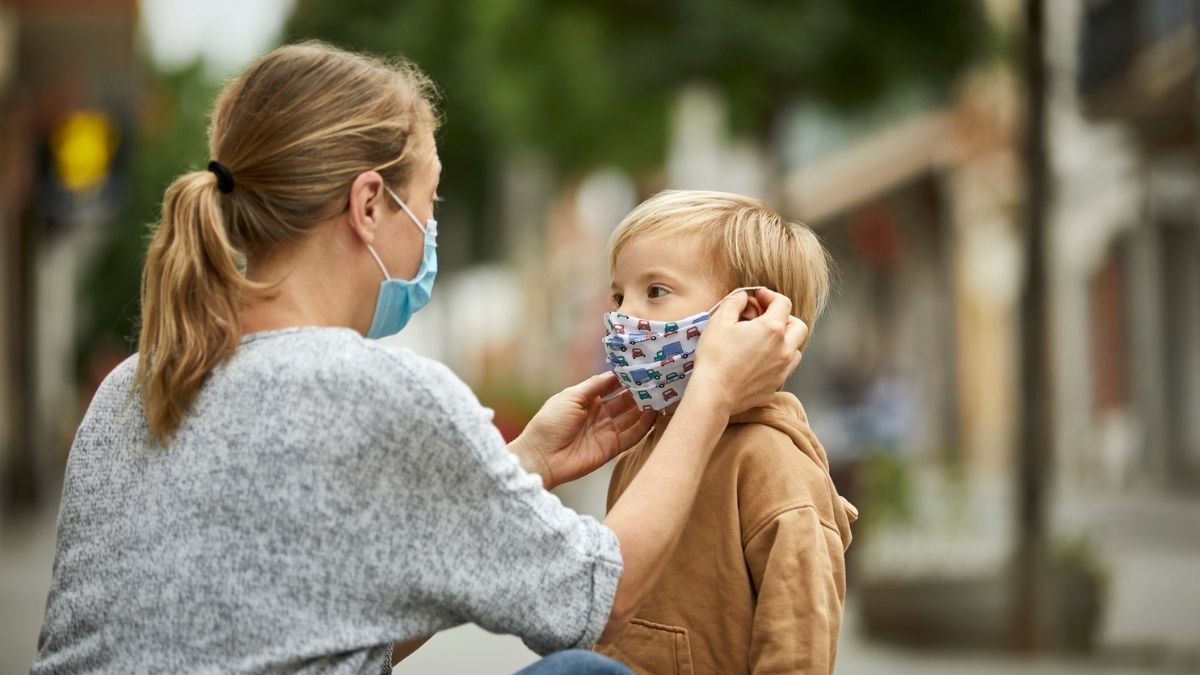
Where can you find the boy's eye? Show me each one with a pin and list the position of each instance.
(617, 298)
(656, 291)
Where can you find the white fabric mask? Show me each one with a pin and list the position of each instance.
(653, 359)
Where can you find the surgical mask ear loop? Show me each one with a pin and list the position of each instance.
(407, 210)
(400, 202)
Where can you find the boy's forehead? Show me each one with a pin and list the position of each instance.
(677, 253)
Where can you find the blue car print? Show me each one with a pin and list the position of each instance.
(671, 349)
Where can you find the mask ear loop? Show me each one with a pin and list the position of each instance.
(371, 249)
(406, 209)
(386, 276)
(730, 294)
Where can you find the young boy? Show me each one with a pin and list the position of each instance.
(757, 581)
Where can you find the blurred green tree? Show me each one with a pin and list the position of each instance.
(589, 83)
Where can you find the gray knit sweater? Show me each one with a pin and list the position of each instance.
(324, 497)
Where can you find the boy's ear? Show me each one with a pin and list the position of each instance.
(753, 309)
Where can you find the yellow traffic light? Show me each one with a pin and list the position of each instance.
(83, 146)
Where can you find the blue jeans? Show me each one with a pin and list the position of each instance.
(576, 662)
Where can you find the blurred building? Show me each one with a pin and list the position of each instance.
(1127, 241)
(923, 214)
(68, 86)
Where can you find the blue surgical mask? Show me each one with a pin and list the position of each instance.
(400, 299)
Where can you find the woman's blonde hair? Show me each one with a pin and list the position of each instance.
(746, 242)
(294, 131)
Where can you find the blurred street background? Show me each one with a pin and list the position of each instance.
(1007, 380)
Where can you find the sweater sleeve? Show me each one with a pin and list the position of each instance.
(502, 552)
(797, 566)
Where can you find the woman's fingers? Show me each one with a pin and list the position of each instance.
(627, 416)
(752, 357)
(795, 362)
(730, 308)
(796, 333)
(628, 436)
(619, 404)
(596, 385)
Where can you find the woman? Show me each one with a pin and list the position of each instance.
(263, 489)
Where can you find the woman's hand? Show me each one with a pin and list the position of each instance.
(576, 432)
(745, 362)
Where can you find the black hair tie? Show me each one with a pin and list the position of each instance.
(224, 177)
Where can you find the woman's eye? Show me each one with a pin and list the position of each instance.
(656, 291)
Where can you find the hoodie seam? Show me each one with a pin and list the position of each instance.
(793, 506)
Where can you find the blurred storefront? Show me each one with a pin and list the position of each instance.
(68, 97)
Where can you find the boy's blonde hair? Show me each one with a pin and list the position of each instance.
(747, 242)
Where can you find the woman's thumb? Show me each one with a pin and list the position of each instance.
(730, 308)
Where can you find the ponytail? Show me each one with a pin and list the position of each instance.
(191, 291)
(294, 130)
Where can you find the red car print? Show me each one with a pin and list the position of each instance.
(644, 325)
(670, 394)
(693, 333)
(638, 353)
(619, 329)
(687, 367)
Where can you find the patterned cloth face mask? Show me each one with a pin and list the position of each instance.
(653, 359)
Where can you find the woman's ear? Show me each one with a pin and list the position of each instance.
(753, 309)
(365, 206)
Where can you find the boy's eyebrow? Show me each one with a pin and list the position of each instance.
(649, 275)
(656, 272)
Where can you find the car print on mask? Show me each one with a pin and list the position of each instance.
(670, 394)
(670, 349)
(641, 375)
(693, 333)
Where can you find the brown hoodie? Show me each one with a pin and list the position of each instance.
(757, 582)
